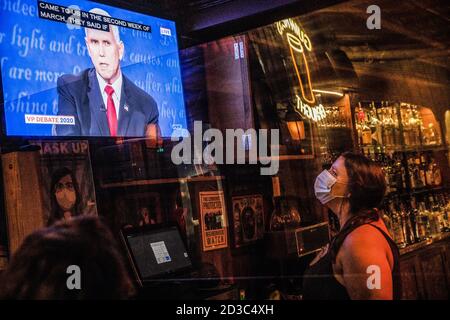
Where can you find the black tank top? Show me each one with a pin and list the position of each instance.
(319, 282)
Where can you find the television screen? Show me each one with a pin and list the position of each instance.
(81, 68)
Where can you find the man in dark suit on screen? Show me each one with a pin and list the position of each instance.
(102, 100)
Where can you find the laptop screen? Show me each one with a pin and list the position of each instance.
(157, 252)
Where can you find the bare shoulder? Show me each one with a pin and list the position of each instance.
(366, 242)
(366, 237)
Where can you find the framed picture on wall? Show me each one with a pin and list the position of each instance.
(213, 220)
(248, 219)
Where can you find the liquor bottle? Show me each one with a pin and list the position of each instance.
(387, 168)
(406, 225)
(388, 124)
(439, 212)
(373, 122)
(411, 170)
(397, 230)
(366, 132)
(359, 132)
(421, 180)
(413, 217)
(430, 135)
(396, 126)
(399, 172)
(415, 127)
(284, 216)
(423, 223)
(429, 176)
(406, 128)
(394, 173)
(446, 212)
(405, 116)
(434, 216)
(359, 123)
(414, 130)
(276, 219)
(404, 176)
(437, 176)
(379, 125)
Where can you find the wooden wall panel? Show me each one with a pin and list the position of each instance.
(23, 195)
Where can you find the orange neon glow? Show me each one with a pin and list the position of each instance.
(311, 98)
(298, 41)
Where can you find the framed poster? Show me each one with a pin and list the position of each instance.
(67, 176)
(213, 220)
(248, 219)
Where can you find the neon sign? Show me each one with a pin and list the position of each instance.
(299, 43)
(314, 113)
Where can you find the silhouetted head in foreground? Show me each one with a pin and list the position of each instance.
(41, 267)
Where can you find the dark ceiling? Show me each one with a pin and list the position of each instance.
(413, 41)
(409, 28)
(205, 20)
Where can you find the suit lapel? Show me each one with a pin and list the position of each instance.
(97, 106)
(124, 110)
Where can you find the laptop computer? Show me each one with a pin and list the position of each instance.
(157, 253)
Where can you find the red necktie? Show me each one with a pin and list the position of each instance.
(111, 111)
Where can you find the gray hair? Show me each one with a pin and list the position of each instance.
(113, 28)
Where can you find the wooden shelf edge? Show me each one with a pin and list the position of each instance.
(423, 244)
(159, 181)
(287, 157)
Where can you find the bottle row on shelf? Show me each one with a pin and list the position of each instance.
(408, 171)
(335, 118)
(390, 124)
(417, 218)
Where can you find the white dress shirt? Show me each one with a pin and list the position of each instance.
(117, 86)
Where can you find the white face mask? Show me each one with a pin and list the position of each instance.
(323, 187)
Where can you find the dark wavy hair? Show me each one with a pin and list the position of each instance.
(367, 187)
(38, 269)
(55, 210)
(367, 182)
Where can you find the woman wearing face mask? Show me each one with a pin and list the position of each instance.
(65, 196)
(361, 261)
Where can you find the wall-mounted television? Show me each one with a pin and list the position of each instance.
(86, 69)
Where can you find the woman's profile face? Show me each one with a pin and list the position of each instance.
(340, 188)
(339, 171)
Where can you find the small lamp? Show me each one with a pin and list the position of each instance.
(295, 124)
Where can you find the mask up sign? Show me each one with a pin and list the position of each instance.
(67, 177)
